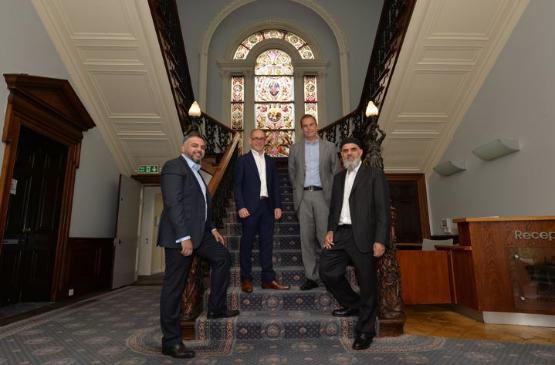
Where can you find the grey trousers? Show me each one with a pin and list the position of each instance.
(313, 218)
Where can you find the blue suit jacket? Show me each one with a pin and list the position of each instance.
(247, 183)
(184, 210)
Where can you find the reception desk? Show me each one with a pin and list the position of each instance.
(505, 266)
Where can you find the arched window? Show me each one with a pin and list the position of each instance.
(279, 88)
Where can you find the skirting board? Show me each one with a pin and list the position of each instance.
(518, 319)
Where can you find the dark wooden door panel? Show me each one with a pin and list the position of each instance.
(33, 217)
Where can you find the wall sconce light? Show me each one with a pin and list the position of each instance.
(194, 110)
(447, 168)
(371, 109)
(497, 148)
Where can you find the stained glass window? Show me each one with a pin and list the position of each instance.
(311, 96)
(237, 101)
(274, 108)
(273, 87)
(252, 40)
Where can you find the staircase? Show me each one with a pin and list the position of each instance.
(275, 314)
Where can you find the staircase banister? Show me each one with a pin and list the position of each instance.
(224, 163)
(215, 121)
(339, 121)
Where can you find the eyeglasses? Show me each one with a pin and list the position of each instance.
(258, 138)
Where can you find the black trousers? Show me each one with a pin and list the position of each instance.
(175, 278)
(333, 265)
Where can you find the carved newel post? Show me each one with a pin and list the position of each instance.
(391, 315)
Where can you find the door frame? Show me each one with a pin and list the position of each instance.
(51, 108)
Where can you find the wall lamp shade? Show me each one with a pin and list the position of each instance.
(497, 148)
(194, 110)
(447, 168)
(371, 109)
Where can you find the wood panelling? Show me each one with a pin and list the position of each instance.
(490, 258)
(424, 277)
(408, 196)
(89, 265)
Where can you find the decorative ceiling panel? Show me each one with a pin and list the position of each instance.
(448, 51)
(111, 52)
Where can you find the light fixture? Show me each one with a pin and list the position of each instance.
(371, 109)
(194, 110)
(497, 148)
(449, 167)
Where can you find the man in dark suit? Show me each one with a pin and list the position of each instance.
(259, 204)
(186, 228)
(358, 229)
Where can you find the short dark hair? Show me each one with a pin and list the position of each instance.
(192, 133)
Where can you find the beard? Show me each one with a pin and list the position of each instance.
(195, 158)
(350, 165)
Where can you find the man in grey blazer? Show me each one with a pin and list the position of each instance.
(185, 228)
(312, 164)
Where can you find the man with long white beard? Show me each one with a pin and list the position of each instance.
(358, 229)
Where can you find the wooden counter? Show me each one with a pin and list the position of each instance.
(504, 264)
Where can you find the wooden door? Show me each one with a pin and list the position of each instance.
(33, 215)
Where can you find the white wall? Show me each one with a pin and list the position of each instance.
(517, 100)
(26, 48)
(357, 19)
(95, 198)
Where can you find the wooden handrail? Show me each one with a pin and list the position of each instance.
(222, 166)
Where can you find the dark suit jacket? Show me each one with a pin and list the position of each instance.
(184, 209)
(369, 206)
(247, 183)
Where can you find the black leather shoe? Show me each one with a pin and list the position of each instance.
(362, 341)
(178, 351)
(345, 312)
(309, 284)
(225, 314)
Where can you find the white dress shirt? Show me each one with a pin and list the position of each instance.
(196, 171)
(345, 216)
(261, 166)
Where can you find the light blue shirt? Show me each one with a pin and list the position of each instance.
(312, 163)
(196, 168)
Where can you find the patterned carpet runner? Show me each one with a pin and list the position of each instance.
(275, 314)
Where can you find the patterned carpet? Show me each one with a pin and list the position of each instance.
(274, 327)
(122, 327)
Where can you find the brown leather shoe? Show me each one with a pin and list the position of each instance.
(275, 285)
(246, 286)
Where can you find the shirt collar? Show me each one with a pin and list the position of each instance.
(192, 164)
(311, 143)
(254, 153)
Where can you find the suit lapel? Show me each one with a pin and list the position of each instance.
(266, 160)
(358, 178)
(190, 171)
(252, 162)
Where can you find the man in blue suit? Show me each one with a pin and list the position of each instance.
(185, 228)
(259, 204)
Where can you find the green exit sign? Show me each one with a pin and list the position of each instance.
(148, 169)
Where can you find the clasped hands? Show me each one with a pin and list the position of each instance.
(244, 213)
(378, 247)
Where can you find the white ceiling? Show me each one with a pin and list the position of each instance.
(112, 54)
(448, 50)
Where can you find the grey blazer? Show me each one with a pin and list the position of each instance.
(329, 166)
